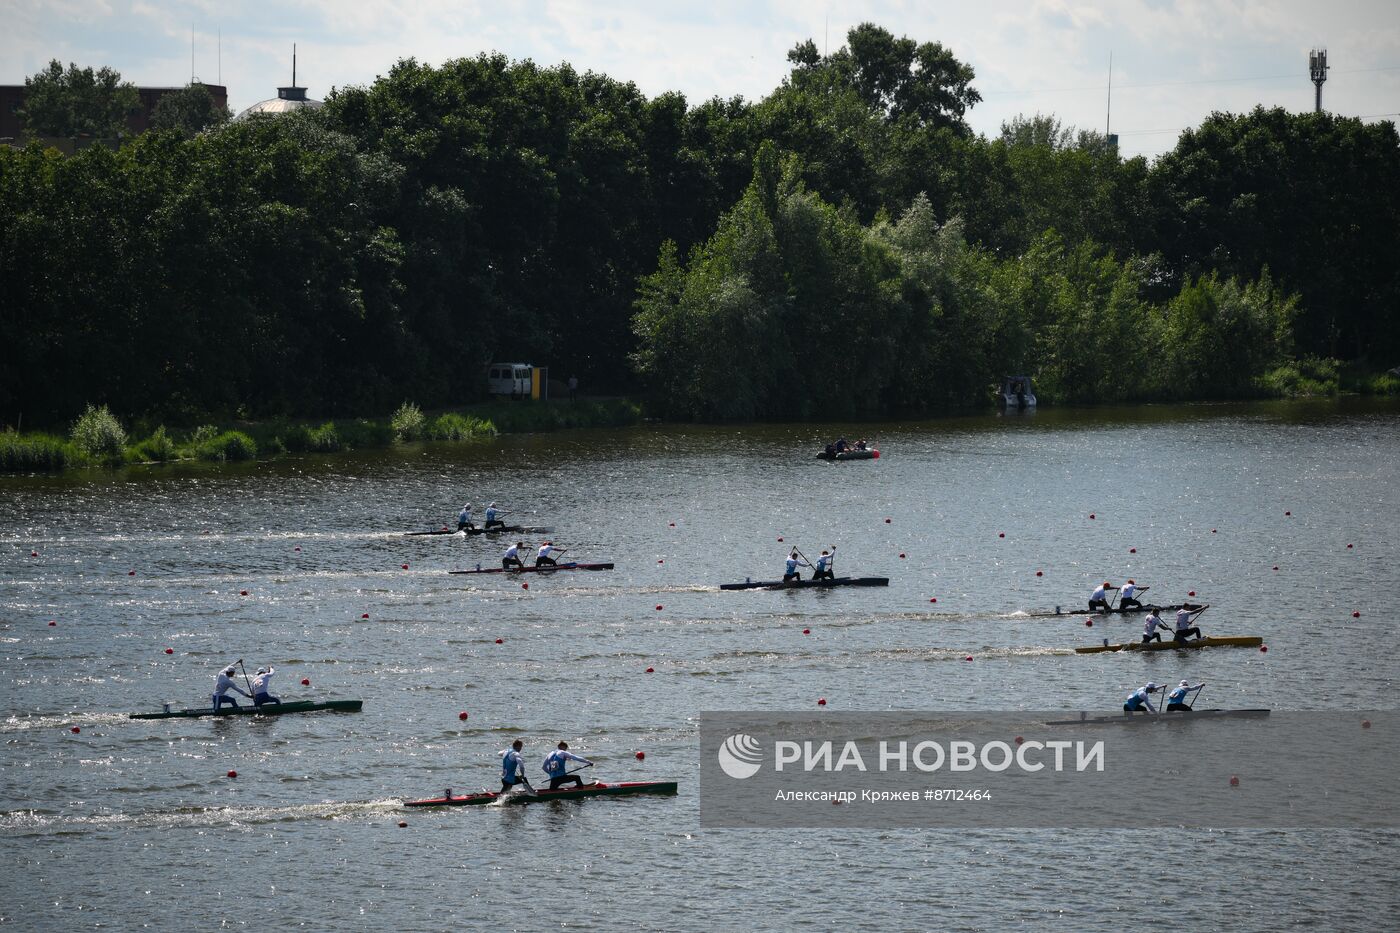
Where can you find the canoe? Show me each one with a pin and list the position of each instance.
(1124, 719)
(1167, 644)
(444, 530)
(1115, 611)
(568, 566)
(849, 455)
(624, 789)
(801, 584)
(267, 709)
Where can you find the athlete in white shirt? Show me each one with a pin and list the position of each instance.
(823, 569)
(493, 518)
(223, 684)
(557, 762)
(1176, 700)
(1129, 593)
(260, 692)
(464, 519)
(512, 557)
(1150, 626)
(1140, 700)
(543, 558)
(1099, 598)
(793, 562)
(1184, 628)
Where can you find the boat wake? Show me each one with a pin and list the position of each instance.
(22, 823)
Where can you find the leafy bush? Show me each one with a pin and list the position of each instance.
(451, 426)
(324, 439)
(1306, 377)
(158, 447)
(408, 423)
(231, 445)
(32, 452)
(363, 433)
(203, 435)
(98, 434)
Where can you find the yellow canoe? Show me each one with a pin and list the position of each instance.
(1166, 644)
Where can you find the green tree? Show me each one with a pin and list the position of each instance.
(190, 110)
(78, 102)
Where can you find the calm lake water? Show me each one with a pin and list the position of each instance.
(130, 823)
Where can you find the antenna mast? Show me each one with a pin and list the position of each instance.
(294, 64)
(1317, 68)
(192, 53)
(1108, 118)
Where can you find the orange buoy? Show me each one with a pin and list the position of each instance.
(306, 681)
(462, 715)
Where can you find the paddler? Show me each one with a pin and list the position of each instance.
(842, 445)
(1176, 700)
(1150, 626)
(260, 693)
(543, 558)
(1140, 700)
(794, 560)
(1099, 598)
(1129, 591)
(1184, 628)
(513, 768)
(512, 557)
(493, 518)
(464, 519)
(223, 685)
(823, 569)
(556, 763)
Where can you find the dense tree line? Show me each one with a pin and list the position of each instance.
(845, 245)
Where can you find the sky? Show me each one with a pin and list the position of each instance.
(1173, 61)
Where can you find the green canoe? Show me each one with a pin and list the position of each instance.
(267, 709)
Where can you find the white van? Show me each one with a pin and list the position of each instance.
(511, 379)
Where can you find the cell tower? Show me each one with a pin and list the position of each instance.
(1317, 67)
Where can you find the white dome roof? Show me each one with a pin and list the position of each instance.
(287, 100)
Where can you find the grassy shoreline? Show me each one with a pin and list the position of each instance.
(98, 439)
